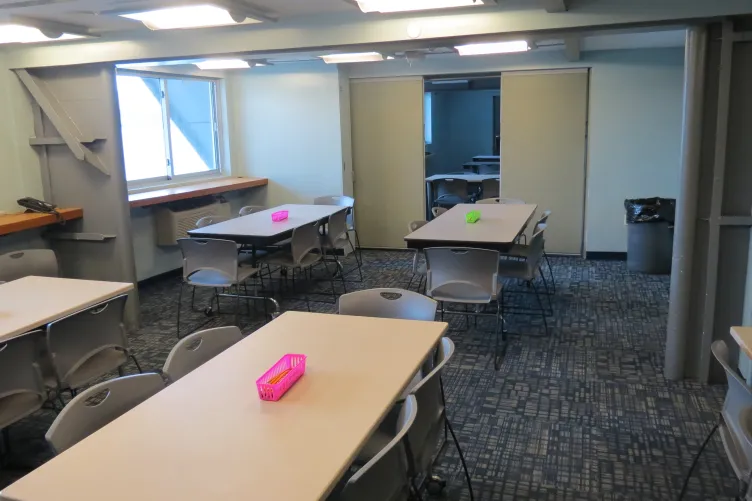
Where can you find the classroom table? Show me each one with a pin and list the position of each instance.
(487, 158)
(475, 166)
(259, 230)
(470, 178)
(209, 437)
(498, 228)
(32, 302)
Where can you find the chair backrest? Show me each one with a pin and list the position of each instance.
(336, 226)
(488, 201)
(472, 273)
(490, 188)
(511, 201)
(437, 211)
(98, 406)
(198, 348)
(385, 476)
(19, 264)
(251, 209)
(544, 217)
(415, 225)
(429, 423)
(339, 200)
(210, 254)
(738, 397)
(451, 186)
(73, 340)
(20, 375)
(388, 303)
(305, 239)
(209, 220)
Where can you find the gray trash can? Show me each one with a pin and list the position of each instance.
(650, 240)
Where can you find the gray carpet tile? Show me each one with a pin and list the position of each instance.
(581, 414)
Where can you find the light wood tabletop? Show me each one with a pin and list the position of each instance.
(31, 302)
(498, 227)
(259, 228)
(209, 437)
(743, 337)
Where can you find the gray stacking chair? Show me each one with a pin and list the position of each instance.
(342, 201)
(527, 268)
(88, 344)
(388, 303)
(418, 268)
(22, 390)
(450, 192)
(84, 415)
(437, 211)
(466, 276)
(214, 264)
(386, 476)
(19, 264)
(251, 209)
(488, 201)
(209, 220)
(337, 238)
(490, 188)
(198, 348)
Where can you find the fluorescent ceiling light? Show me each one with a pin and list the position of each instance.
(447, 82)
(475, 49)
(223, 64)
(192, 16)
(359, 57)
(18, 33)
(385, 6)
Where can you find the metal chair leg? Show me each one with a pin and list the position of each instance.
(138, 366)
(180, 298)
(462, 457)
(551, 271)
(548, 295)
(540, 304)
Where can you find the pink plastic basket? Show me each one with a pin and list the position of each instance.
(279, 215)
(295, 364)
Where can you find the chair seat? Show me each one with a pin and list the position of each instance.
(286, 260)
(462, 293)
(518, 251)
(15, 407)
(510, 268)
(339, 244)
(107, 360)
(209, 278)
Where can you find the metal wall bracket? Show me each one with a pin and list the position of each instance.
(80, 237)
(66, 127)
(51, 141)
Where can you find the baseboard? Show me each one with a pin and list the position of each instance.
(606, 256)
(177, 272)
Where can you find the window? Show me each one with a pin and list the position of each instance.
(169, 127)
(428, 117)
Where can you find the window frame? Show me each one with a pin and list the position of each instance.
(171, 180)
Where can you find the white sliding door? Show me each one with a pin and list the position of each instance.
(388, 158)
(543, 149)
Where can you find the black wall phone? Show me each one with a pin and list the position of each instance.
(35, 205)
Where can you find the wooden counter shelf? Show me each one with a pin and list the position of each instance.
(194, 190)
(13, 223)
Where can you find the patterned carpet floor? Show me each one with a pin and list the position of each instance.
(581, 414)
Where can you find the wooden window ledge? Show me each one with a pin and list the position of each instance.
(13, 223)
(194, 190)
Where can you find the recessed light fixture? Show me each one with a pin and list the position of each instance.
(476, 49)
(223, 64)
(385, 6)
(18, 33)
(191, 16)
(447, 82)
(359, 57)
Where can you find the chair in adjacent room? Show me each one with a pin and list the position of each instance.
(437, 211)
(19, 264)
(511, 201)
(336, 239)
(305, 253)
(214, 264)
(385, 477)
(490, 188)
(419, 269)
(98, 406)
(22, 390)
(488, 201)
(198, 348)
(528, 267)
(87, 345)
(343, 201)
(469, 277)
(450, 192)
(251, 209)
(210, 220)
